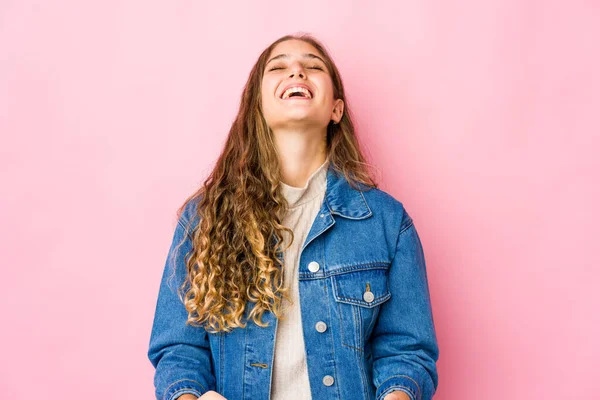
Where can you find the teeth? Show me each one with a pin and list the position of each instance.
(291, 90)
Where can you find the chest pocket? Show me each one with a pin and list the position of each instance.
(358, 296)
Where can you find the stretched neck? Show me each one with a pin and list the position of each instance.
(301, 152)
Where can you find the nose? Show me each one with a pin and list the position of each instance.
(297, 69)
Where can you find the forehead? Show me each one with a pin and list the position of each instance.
(294, 47)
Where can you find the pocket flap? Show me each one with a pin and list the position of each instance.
(350, 287)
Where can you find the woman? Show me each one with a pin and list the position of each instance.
(297, 277)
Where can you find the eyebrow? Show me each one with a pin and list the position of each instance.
(305, 55)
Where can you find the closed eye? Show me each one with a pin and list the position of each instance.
(313, 67)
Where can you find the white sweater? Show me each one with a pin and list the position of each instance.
(290, 375)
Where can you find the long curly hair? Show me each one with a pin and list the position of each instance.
(238, 241)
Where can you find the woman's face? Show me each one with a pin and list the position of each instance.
(296, 63)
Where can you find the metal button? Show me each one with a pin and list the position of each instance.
(321, 326)
(328, 380)
(322, 215)
(369, 296)
(313, 266)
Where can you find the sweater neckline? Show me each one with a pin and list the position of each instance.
(314, 186)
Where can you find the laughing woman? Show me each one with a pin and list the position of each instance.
(291, 275)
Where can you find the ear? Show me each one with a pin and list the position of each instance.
(338, 111)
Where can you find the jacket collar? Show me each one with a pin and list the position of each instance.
(344, 200)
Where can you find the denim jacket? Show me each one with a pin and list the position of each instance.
(365, 307)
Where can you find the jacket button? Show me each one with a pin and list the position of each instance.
(313, 266)
(328, 380)
(321, 326)
(369, 296)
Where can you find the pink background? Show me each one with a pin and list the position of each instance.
(482, 118)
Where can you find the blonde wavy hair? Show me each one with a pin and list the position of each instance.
(237, 243)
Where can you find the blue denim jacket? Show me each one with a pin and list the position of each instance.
(364, 298)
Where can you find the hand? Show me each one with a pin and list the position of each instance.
(210, 395)
(396, 395)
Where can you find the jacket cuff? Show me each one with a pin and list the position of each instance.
(399, 382)
(182, 387)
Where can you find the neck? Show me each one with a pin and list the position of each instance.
(301, 152)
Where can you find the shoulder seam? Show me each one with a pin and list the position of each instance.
(403, 229)
(411, 223)
(185, 228)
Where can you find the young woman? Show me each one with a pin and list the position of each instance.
(291, 275)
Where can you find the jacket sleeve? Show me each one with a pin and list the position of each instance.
(179, 352)
(403, 342)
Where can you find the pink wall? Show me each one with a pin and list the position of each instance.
(481, 116)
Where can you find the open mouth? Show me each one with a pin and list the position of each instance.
(297, 92)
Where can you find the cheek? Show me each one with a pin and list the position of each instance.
(267, 101)
(327, 86)
(266, 92)
(263, 91)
